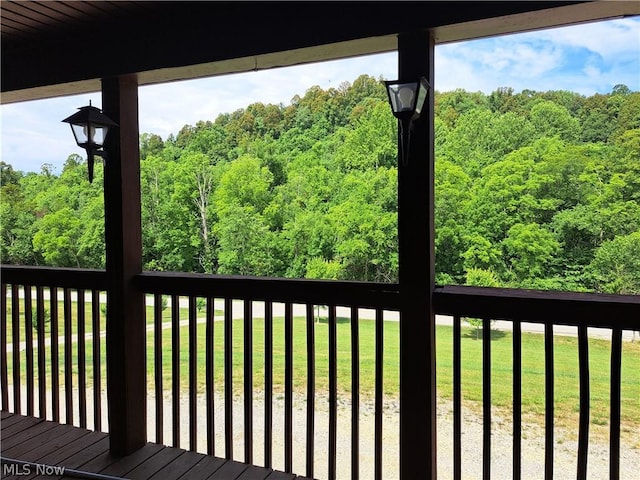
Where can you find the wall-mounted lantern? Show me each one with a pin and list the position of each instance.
(90, 128)
(407, 100)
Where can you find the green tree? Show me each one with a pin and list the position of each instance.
(171, 238)
(616, 265)
(550, 120)
(57, 239)
(597, 118)
(17, 220)
(244, 183)
(199, 179)
(318, 267)
(465, 144)
(150, 144)
(628, 112)
(529, 251)
(365, 221)
(371, 140)
(8, 176)
(478, 277)
(481, 255)
(245, 243)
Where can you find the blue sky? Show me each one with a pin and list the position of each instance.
(590, 58)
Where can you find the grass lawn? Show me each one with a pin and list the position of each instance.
(566, 367)
(565, 350)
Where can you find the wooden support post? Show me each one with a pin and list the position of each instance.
(417, 273)
(126, 339)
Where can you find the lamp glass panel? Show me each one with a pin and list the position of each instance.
(80, 133)
(403, 96)
(422, 96)
(89, 134)
(98, 134)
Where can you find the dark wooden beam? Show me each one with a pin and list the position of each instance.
(322, 292)
(539, 306)
(416, 272)
(165, 35)
(88, 279)
(126, 329)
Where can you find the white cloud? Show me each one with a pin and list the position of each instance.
(489, 65)
(586, 58)
(607, 39)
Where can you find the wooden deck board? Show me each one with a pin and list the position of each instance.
(120, 467)
(256, 473)
(8, 420)
(18, 433)
(53, 444)
(155, 463)
(83, 456)
(228, 470)
(61, 456)
(276, 475)
(177, 468)
(11, 429)
(40, 441)
(28, 440)
(93, 463)
(205, 467)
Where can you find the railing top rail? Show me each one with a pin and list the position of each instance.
(35, 276)
(537, 306)
(322, 292)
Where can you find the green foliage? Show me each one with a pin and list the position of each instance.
(479, 277)
(201, 304)
(529, 250)
(58, 238)
(481, 255)
(46, 317)
(552, 120)
(532, 189)
(245, 243)
(320, 268)
(616, 265)
(370, 141)
(8, 176)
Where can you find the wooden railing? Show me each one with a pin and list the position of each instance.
(581, 310)
(274, 298)
(229, 324)
(56, 293)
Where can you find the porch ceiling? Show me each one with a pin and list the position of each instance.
(54, 48)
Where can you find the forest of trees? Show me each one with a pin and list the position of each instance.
(533, 190)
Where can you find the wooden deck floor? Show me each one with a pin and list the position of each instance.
(47, 443)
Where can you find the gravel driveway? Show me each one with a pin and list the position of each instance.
(501, 467)
(565, 452)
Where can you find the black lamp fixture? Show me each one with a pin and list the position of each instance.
(90, 128)
(407, 100)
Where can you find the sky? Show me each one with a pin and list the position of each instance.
(588, 59)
